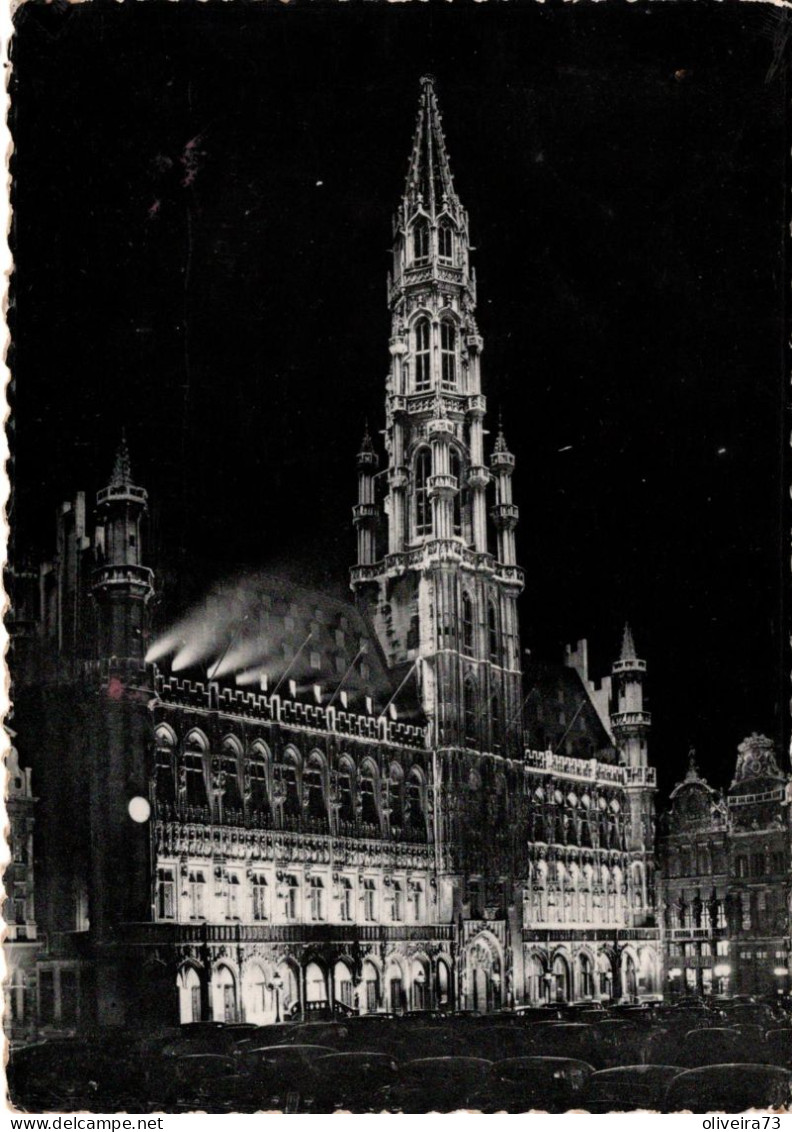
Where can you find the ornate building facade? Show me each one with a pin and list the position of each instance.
(19, 913)
(724, 879)
(354, 822)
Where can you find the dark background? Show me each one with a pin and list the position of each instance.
(203, 199)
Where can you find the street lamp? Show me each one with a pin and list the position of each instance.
(277, 986)
(721, 971)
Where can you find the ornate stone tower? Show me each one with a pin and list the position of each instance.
(117, 740)
(121, 585)
(630, 726)
(438, 596)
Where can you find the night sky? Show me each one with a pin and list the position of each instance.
(203, 201)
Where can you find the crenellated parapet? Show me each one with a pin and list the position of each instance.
(272, 708)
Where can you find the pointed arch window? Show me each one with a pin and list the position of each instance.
(313, 789)
(497, 729)
(470, 720)
(493, 637)
(368, 792)
(291, 807)
(395, 796)
(346, 812)
(448, 351)
(423, 506)
(230, 761)
(415, 802)
(421, 241)
(445, 243)
(456, 471)
(423, 346)
(467, 625)
(257, 781)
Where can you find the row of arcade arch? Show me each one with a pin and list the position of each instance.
(603, 976)
(264, 993)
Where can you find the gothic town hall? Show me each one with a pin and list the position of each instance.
(249, 839)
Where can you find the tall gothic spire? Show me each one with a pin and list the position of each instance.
(429, 180)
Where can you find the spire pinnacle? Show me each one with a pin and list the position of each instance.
(367, 444)
(122, 468)
(628, 645)
(429, 180)
(500, 439)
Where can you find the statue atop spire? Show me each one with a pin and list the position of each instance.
(429, 181)
(367, 444)
(692, 770)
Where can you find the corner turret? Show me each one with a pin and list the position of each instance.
(122, 586)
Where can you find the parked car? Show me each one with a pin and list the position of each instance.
(713, 1046)
(568, 1039)
(729, 1088)
(778, 1046)
(628, 1088)
(355, 1081)
(208, 1082)
(518, 1084)
(65, 1075)
(438, 1084)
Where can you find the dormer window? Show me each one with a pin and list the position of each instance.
(421, 241)
(445, 243)
(448, 347)
(423, 338)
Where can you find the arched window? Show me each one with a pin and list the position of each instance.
(497, 729)
(448, 347)
(415, 802)
(368, 788)
(396, 796)
(456, 471)
(346, 811)
(192, 778)
(420, 241)
(291, 805)
(165, 752)
(501, 800)
(423, 368)
(423, 506)
(257, 780)
(467, 625)
(313, 787)
(493, 637)
(586, 976)
(230, 760)
(470, 720)
(445, 242)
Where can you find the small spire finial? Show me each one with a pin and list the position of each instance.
(628, 645)
(367, 444)
(122, 468)
(500, 439)
(692, 770)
